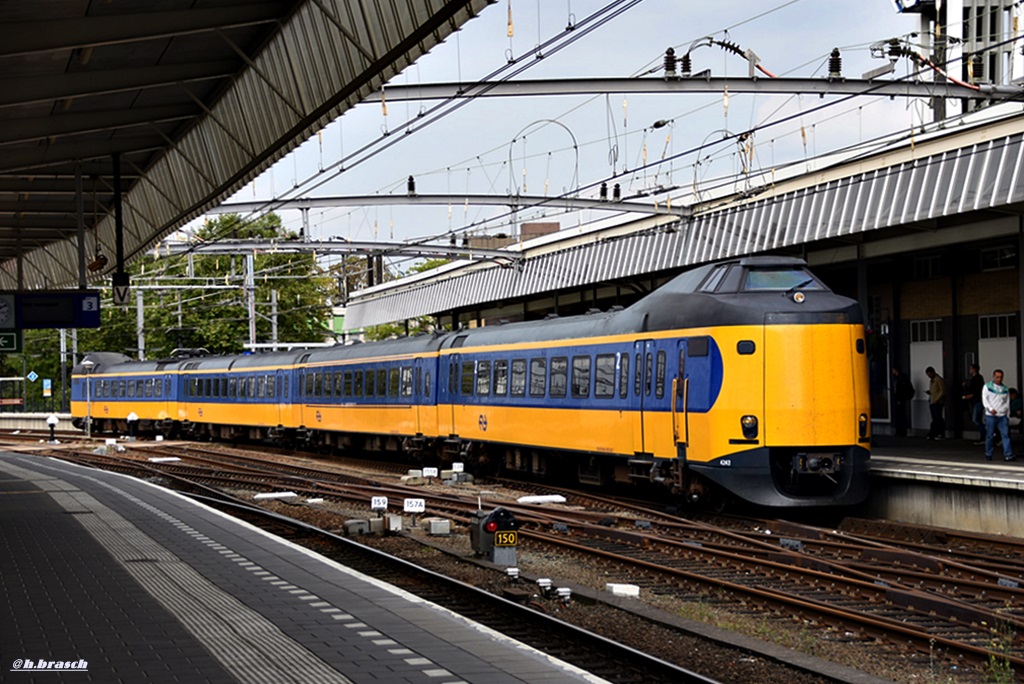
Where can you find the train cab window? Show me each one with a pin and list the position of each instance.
(538, 377)
(501, 378)
(393, 382)
(371, 376)
(261, 387)
(483, 378)
(272, 386)
(357, 383)
(232, 388)
(780, 280)
(604, 376)
(623, 376)
(406, 381)
(382, 382)
(581, 376)
(659, 376)
(468, 378)
(518, 377)
(348, 383)
(559, 373)
(711, 284)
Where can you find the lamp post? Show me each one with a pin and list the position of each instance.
(87, 365)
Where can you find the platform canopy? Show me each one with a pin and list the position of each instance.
(190, 99)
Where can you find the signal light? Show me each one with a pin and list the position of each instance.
(491, 526)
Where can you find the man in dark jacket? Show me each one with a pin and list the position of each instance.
(902, 393)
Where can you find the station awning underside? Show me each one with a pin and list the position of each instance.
(970, 175)
(195, 99)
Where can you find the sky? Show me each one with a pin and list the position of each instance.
(555, 144)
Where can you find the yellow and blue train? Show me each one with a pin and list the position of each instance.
(745, 378)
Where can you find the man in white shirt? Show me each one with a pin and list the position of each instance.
(995, 397)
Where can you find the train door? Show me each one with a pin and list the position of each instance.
(681, 402)
(454, 364)
(643, 381)
(281, 389)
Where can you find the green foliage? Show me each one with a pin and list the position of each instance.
(195, 314)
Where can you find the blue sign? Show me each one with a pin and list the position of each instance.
(59, 309)
(32, 376)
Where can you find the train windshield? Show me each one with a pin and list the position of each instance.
(780, 279)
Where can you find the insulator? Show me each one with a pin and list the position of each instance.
(687, 64)
(616, 193)
(670, 62)
(604, 192)
(411, 185)
(894, 48)
(835, 64)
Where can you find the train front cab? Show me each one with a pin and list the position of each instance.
(793, 418)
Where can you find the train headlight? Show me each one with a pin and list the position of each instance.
(862, 425)
(798, 297)
(749, 425)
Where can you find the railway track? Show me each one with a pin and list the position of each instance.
(870, 581)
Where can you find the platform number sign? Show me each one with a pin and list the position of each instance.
(457, 467)
(430, 472)
(379, 503)
(415, 505)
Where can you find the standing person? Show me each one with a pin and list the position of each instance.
(902, 393)
(972, 394)
(996, 398)
(936, 398)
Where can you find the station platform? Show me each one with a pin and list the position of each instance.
(946, 483)
(119, 580)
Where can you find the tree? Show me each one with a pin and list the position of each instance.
(189, 311)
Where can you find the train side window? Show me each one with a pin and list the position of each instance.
(659, 378)
(419, 380)
(328, 388)
(348, 383)
(232, 387)
(382, 382)
(191, 387)
(357, 384)
(252, 386)
(518, 377)
(648, 372)
(483, 378)
(624, 376)
(501, 378)
(406, 381)
(581, 376)
(559, 373)
(307, 386)
(636, 376)
(393, 382)
(426, 384)
(261, 387)
(242, 388)
(538, 377)
(453, 377)
(318, 384)
(131, 389)
(149, 387)
(140, 387)
(697, 346)
(468, 378)
(284, 389)
(158, 387)
(371, 377)
(604, 376)
(223, 387)
(272, 386)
